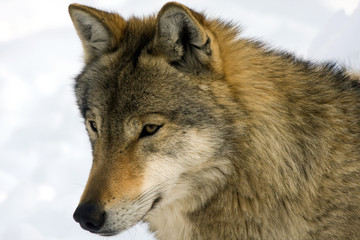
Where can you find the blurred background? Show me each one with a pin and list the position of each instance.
(45, 154)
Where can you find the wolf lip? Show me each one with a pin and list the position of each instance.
(107, 233)
(156, 201)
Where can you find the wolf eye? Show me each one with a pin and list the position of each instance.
(93, 126)
(149, 129)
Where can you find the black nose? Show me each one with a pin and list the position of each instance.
(90, 217)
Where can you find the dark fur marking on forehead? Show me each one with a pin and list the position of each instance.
(141, 32)
(136, 55)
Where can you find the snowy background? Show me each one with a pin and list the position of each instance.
(45, 154)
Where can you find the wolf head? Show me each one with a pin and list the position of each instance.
(149, 94)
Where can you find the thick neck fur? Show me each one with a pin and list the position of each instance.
(228, 215)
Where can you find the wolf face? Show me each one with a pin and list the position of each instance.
(155, 126)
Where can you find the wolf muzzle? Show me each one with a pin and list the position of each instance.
(90, 217)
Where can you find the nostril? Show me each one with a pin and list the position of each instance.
(96, 223)
(90, 225)
(90, 217)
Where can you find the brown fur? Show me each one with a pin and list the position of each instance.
(254, 143)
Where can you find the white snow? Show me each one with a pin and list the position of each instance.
(45, 154)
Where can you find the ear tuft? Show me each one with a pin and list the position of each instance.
(99, 31)
(182, 38)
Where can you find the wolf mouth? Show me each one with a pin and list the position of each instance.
(156, 202)
(107, 233)
(153, 205)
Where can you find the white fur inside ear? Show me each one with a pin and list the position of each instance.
(94, 35)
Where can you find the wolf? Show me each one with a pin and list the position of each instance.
(204, 134)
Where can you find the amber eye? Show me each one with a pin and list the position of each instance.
(149, 129)
(93, 126)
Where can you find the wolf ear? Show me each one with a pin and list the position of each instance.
(182, 38)
(99, 31)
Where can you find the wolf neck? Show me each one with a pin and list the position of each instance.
(227, 215)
